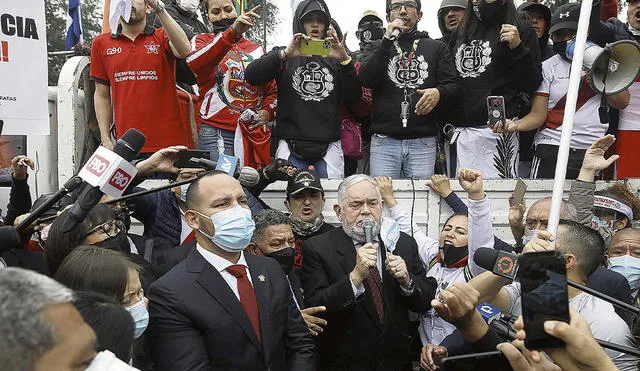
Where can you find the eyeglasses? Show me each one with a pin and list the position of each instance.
(110, 228)
(409, 5)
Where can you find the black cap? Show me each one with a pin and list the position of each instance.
(304, 179)
(369, 16)
(565, 17)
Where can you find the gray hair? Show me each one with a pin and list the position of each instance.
(25, 335)
(354, 179)
(265, 219)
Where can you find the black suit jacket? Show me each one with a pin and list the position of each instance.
(197, 323)
(354, 339)
(613, 284)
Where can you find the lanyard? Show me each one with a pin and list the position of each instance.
(405, 106)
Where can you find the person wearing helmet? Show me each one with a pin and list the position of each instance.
(547, 110)
(450, 16)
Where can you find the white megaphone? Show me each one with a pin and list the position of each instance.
(612, 68)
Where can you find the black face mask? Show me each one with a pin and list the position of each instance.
(118, 243)
(371, 33)
(284, 257)
(560, 48)
(450, 254)
(223, 24)
(490, 12)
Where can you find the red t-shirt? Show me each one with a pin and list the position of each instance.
(141, 74)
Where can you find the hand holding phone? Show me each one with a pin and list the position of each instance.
(186, 155)
(315, 47)
(518, 193)
(496, 111)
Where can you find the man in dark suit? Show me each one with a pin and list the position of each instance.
(274, 239)
(367, 288)
(221, 309)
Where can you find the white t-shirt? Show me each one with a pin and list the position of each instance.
(603, 321)
(586, 125)
(630, 116)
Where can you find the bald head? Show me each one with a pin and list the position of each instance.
(538, 214)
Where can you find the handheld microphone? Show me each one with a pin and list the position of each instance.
(502, 323)
(395, 34)
(367, 225)
(247, 176)
(105, 172)
(505, 265)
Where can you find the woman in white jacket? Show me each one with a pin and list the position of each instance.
(449, 259)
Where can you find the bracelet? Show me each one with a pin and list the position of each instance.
(160, 7)
(346, 61)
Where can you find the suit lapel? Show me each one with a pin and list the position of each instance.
(211, 280)
(262, 287)
(347, 250)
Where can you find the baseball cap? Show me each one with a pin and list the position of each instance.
(303, 179)
(369, 16)
(566, 16)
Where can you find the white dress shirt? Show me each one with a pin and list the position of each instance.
(221, 264)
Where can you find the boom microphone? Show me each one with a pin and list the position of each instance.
(247, 176)
(103, 172)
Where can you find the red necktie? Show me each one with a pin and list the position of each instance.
(190, 237)
(247, 296)
(374, 285)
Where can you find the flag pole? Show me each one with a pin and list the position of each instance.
(569, 114)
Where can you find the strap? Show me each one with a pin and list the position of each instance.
(432, 262)
(556, 114)
(467, 273)
(148, 250)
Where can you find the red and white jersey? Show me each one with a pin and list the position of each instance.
(630, 116)
(219, 66)
(555, 85)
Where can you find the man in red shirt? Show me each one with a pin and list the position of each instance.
(134, 68)
(219, 60)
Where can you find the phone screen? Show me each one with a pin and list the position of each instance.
(186, 155)
(315, 47)
(494, 361)
(543, 279)
(495, 110)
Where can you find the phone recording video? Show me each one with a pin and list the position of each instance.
(496, 110)
(543, 279)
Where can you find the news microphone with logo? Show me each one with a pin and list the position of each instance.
(499, 262)
(106, 172)
(247, 176)
(502, 323)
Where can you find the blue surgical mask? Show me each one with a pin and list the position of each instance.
(389, 233)
(233, 228)
(628, 266)
(140, 316)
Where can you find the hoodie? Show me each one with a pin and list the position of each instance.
(381, 70)
(310, 89)
(546, 51)
(442, 13)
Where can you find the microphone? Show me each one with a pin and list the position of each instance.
(367, 225)
(105, 172)
(395, 34)
(499, 262)
(505, 265)
(247, 176)
(502, 323)
(10, 238)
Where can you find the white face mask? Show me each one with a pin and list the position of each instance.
(107, 361)
(190, 6)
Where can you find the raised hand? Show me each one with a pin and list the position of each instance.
(398, 269)
(338, 47)
(293, 49)
(385, 184)
(440, 184)
(594, 160)
(160, 162)
(19, 165)
(471, 181)
(244, 22)
(397, 24)
(509, 34)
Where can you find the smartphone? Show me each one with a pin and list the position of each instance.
(518, 192)
(495, 109)
(186, 155)
(543, 279)
(494, 361)
(315, 47)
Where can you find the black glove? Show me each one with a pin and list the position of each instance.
(272, 172)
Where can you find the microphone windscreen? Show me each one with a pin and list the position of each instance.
(485, 258)
(10, 239)
(249, 176)
(130, 144)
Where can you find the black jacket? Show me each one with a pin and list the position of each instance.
(197, 323)
(546, 51)
(310, 89)
(486, 66)
(383, 71)
(610, 31)
(354, 339)
(19, 200)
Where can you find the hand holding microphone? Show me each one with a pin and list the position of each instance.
(394, 28)
(366, 256)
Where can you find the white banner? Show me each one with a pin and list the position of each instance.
(23, 68)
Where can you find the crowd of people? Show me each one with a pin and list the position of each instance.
(404, 105)
(219, 280)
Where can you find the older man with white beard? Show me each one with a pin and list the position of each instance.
(367, 288)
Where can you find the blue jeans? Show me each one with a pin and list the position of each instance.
(216, 141)
(320, 165)
(402, 158)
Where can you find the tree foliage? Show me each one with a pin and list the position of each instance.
(270, 15)
(56, 17)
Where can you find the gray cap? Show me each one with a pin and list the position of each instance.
(453, 4)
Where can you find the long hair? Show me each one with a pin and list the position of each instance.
(471, 24)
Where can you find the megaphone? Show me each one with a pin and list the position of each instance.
(612, 68)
